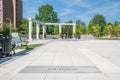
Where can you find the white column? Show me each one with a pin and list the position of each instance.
(44, 31)
(60, 31)
(74, 31)
(37, 30)
(30, 28)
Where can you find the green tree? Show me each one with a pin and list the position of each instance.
(99, 19)
(97, 30)
(46, 13)
(116, 23)
(83, 30)
(78, 22)
(56, 30)
(105, 31)
(90, 28)
(23, 27)
(5, 30)
(34, 28)
(117, 30)
(80, 27)
(109, 29)
(81, 23)
(68, 29)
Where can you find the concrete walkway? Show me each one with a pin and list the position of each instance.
(67, 60)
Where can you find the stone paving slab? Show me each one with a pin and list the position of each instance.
(60, 69)
(93, 76)
(29, 77)
(60, 77)
(67, 53)
(103, 64)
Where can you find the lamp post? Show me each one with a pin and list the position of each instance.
(10, 24)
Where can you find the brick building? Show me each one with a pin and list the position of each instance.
(11, 9)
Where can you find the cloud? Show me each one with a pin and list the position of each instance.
(65, 12)
(30, 12)
(112, 9)
(77, 9)
(31, 7)
(72, 3)
(109, 10)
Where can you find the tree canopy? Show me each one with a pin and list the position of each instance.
(97, 30)
(46, 13)
(24, 26)
(117, 30)
(5, 29)
(90, 28)
(99, 19)
(80, 27)
(56, 30)
(68, 29)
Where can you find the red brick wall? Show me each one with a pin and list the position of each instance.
(9, 7)
(7, 10)
(19, 11)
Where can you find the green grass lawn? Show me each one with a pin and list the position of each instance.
(108, 38)
(31, 46)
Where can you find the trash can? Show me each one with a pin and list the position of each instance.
(0, 52)
(6, 45)
(0, 47)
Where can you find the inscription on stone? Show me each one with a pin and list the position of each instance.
(61, 69)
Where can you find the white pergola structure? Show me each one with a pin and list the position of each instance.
(38, 23)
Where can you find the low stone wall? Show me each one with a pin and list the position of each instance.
(41, 36)
(86, 37)
(52, 36)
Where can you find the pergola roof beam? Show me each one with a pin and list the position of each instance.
(60, 24)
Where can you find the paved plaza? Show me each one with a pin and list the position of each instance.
(67, 60)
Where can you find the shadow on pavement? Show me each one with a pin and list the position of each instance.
(7, 60)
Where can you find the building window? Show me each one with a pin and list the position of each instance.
(16, 18)
(16, 2)
(16, 9)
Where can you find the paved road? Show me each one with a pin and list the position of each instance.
(67, 60)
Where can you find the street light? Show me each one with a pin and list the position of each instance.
(10, 24)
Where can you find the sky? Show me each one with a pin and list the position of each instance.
(83, 10)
